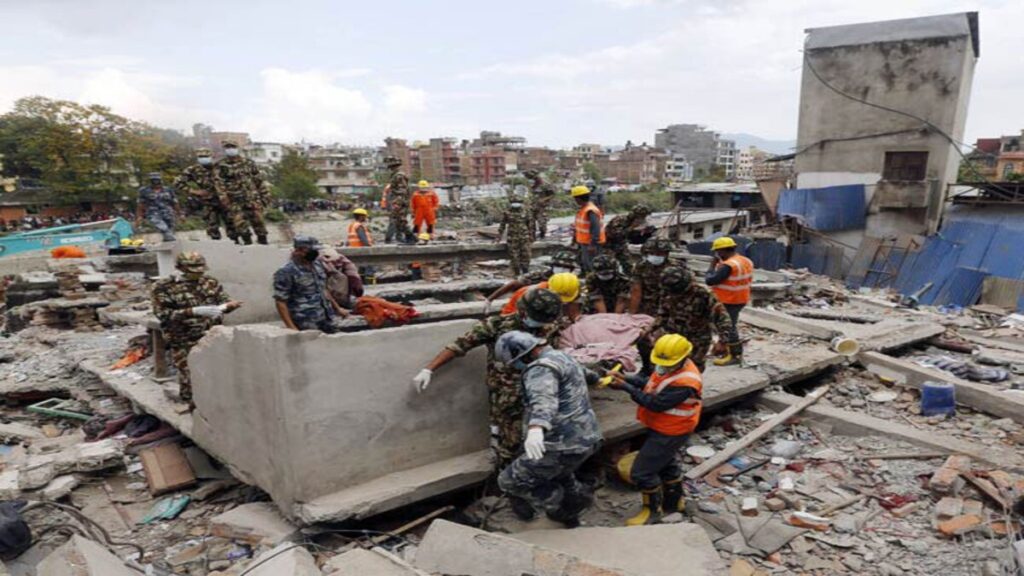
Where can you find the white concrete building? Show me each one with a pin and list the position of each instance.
(265, 153)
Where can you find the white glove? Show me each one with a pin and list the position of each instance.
(223, 308)
(208, 311)
(422, 380)
(534, 445)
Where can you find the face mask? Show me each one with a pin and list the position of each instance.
(515, 205)
(606, 275)
(311, 255)
(656, 260)
(531, 323)
(205, 160)
(193, 274)
(231, 151)
(662, 370)
(560, 269)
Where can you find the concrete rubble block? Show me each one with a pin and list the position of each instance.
(947, 479)
(949, 507)
(59, 487)
(284, 560)
(256, 523)
(246, 273)
(82, 557)
(656, 550)
(15, 431)
(449, 548)
(9, 484)
(361, 562)
(40, 469)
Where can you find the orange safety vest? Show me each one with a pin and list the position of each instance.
(583, 224)
(510, 307)
(736, 288)
(353, 235)
(684, 417)
(384, 196)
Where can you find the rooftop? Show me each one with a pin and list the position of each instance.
(941, 26)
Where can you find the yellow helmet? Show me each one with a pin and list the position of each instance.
(423, 184)
(566, 285)
(360, 212)
(670, 349)
(723, 243)
(425, 237)
(579, 191)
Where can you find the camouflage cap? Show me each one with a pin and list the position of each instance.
(656, 246)
(229, 143)
(540, 305)
(190, 261)
(305, 242)
(604, 263)
(642, 210)
(564, 259)
(676, 277)
(154, 176)
(531, 174)
(204, 152)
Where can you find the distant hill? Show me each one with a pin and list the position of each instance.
(744, 141)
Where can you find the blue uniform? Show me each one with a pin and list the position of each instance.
(303, 290)
(160, 205)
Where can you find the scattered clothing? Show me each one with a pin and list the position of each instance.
(379, 312)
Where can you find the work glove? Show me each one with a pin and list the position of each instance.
(422, 380)
(207, 311)
(534, 445)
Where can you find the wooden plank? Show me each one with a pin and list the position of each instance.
(166, 469)
(753, 436)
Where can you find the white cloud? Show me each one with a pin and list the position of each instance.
(400, 100)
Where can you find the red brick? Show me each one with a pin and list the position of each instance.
(959, 525)
(958, 462)
(946, 480)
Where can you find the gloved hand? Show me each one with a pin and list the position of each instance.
(207, 311)
(422, 380)
(534, 445)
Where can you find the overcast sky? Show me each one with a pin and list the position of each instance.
(559, 72)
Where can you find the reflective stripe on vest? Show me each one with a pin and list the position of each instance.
(353, 235)
(736, 288)
(582, 225)
(683, 418)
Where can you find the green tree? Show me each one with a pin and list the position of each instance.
(591, 172)
(294, 180)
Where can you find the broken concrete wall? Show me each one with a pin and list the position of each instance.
(306, 414)
(246, 272)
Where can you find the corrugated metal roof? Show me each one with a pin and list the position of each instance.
(962, 288)
(826, 209)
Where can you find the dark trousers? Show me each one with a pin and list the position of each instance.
(658, 461)
(734, 314)
(546, 482)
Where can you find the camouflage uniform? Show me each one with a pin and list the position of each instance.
(563, 259)
(247, 195)
(556, 398)
(649, 277)
(519, 242)
(212, 205)
(505, 391)
(540, 197)
(303, 290)
(172, 298)
(160, 205)
(693, 312)
(608, 290)
(617, 237)
(398, 207)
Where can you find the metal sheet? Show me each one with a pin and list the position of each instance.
(826, 209)
(962, 288)
(767, 254)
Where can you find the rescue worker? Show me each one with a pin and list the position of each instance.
(645, 293)
(689, 308)
(669, 406)
(565, 284)
(624, 227)
(300, 290)
(607, 288)
(562, 261)
(358, 231)
(424, 207)
(537, 312)
(396, 199)
(730, 277)
(158, 205)
(516, 221)
(541, 194)
(187, 307)
(561, 429)
(588, 228)
(199, 181)
(246, 192)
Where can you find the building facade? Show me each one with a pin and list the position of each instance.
(265, 154)
(703, 148)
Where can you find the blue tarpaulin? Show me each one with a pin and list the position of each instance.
(825, 209)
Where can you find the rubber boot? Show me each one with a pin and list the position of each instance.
(733, 356)
(673, 497)
(246, 239)
(651, 511)
(522, 509)
(568, 513)
(262, 239)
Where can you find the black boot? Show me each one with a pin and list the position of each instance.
(522, 509)
(569, 511)
(673, 497)
(261, 239)
(247, 239)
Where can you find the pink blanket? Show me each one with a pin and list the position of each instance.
(600, 337)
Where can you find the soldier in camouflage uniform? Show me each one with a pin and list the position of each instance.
(516, 221)
(607, 288)
(199, 181)
(690, 309)
(619, 231)
(560, 426)
(540, 197)
(645, 293)
(159, 205)
(300, 290)
(187, 307)
(397, 191)
(247, 193)
(563, 261)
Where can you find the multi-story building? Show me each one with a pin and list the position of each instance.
(633, 164)
(678, 169)
(536, 158)
(483, 165)
(439, 160)
(703, 148)
(1011, 157)
(265, 154)
(984, 158)
(343, 170)
(725, 157)
(399, 148)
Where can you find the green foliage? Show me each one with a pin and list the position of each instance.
(274, 215)
(968, 171)
(716, 174)
(591, 172)
(294, 180)
(660, 200)
(1015, 177)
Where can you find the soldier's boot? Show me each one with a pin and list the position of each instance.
(261, 239)
(673, 501)
(651, 511)
(568, 513)
(246, 239)
(522, 509)
(213, 234)
(733, 355)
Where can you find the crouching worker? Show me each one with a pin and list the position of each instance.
(669, 406)
(561, 427)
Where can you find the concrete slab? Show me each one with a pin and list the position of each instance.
(16, 431)
(285, 560)
(246, 272)
(257, 523)
(658, 550)
(360, 562)
(450, 548)
(82, 557)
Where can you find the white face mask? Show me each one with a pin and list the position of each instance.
(662, 370)
(656, 260)
(205, 160)
(515, 205)
(560, 270)
(606, 275)
(231, 151)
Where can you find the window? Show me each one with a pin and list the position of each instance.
(905, 166)
(716, 228)
(698, 233)
(1007, 170)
